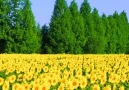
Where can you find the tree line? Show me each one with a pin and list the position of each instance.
(71, 30)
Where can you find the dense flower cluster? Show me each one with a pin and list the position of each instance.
(64, 72)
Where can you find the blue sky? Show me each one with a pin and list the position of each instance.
(43, 9)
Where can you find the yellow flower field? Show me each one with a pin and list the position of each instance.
(64, 72)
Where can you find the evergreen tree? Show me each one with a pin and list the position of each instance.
(77, 28)
(107, 34)
(23, 34)
(123, 33)
(127, 49)
(45, 32)
(98, 35)
(60, 38)
(4, 24)
(31, 41)
(113, 37)
(14, 35)
(85, 11)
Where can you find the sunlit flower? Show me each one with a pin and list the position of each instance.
(26, 86)
(121, 88)
(96, 87)
(1, 81)
(93, 79)
(113, 78)
(39, 69)
(82, 82)
(15, 86)
(45, 69)
(69, 85)
(45, 86)
(12, 79)
(29, 76)
(5, 86)
(108, 87)
(36, 87)
(20, 87)
(123, 78)
(75, 83)
(63, 80)
(61, 87)
(79, 72)
(103, 81)
(54, 81)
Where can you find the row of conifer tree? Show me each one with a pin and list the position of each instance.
(71, 30)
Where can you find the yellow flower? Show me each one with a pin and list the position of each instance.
(12, 79)
(75, 83)
(45, 86)
(20, 87)
(88, 76)
(15, 86)
(36, 87)
(96, 87)
(61, 87)
(93, 79)
(121, 88)
(123, 78)
(44, 75)
(103, 81)
(1, 81)
(26, 86)
(5, 86)
(69, 85)
(102, 76)
(29, 76)
(63, 80)
(82, 82)
(79, 72)
(39, 69)
(108, 87)
(54, 81)
(114, 78)
(45, 69)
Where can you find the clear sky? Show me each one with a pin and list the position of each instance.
(43, 9)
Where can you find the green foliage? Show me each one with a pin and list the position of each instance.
(113, 37)
(18, 28)
(85, 11)
(4, 24)
(31, 39)
(60, 38)
(98, 34)
(77, 28)
(45, 31)
(107, 27)
(122, 24)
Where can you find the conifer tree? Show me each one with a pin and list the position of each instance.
(31, 40)
(4, 24)
(113, 37)
(85, 11)
(98, 35)
(14, 35)
(106, 27)
(122, 23)
(60, 38)
(45, 32)
(77, 28)
(23, 34)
